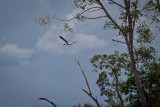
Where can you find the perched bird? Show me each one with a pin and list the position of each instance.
(66, 42)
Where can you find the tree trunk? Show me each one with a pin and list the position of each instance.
(136, 77)
(128, 35)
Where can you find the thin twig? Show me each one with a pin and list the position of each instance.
(54, 105)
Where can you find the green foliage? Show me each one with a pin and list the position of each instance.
(67, 28)
(45, 20)
(152, 11)
(88, 105)
(85, 105)
(144, 34)
(110, 25)
(151, 5)
(79, 105)
(81, 4)
(109, 65)
(109, 80)
(80, 17)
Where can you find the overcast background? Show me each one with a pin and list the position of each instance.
(34, 62)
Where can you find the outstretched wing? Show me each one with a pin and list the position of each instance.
(63, 39)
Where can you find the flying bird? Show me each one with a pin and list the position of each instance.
(66, 42)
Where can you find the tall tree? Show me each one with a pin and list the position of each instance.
(148, 66)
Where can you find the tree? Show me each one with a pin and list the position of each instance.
(149, 72)
(130, 24)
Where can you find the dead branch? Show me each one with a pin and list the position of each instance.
(88, 93)
(84, 77)
(54, 105)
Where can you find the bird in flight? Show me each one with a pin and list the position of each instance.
(66, 42)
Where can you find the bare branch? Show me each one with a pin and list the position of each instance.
(54, 105)
(119, 41)
(123, 43)
(117, 3)
(84, 77)
(88, 93)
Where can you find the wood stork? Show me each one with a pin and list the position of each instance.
(66, 42)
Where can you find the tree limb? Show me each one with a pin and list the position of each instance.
(54, 105)
(108, 15)
(95, 100)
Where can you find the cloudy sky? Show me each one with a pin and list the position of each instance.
(34, 62)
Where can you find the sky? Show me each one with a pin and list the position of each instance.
(34, 62)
